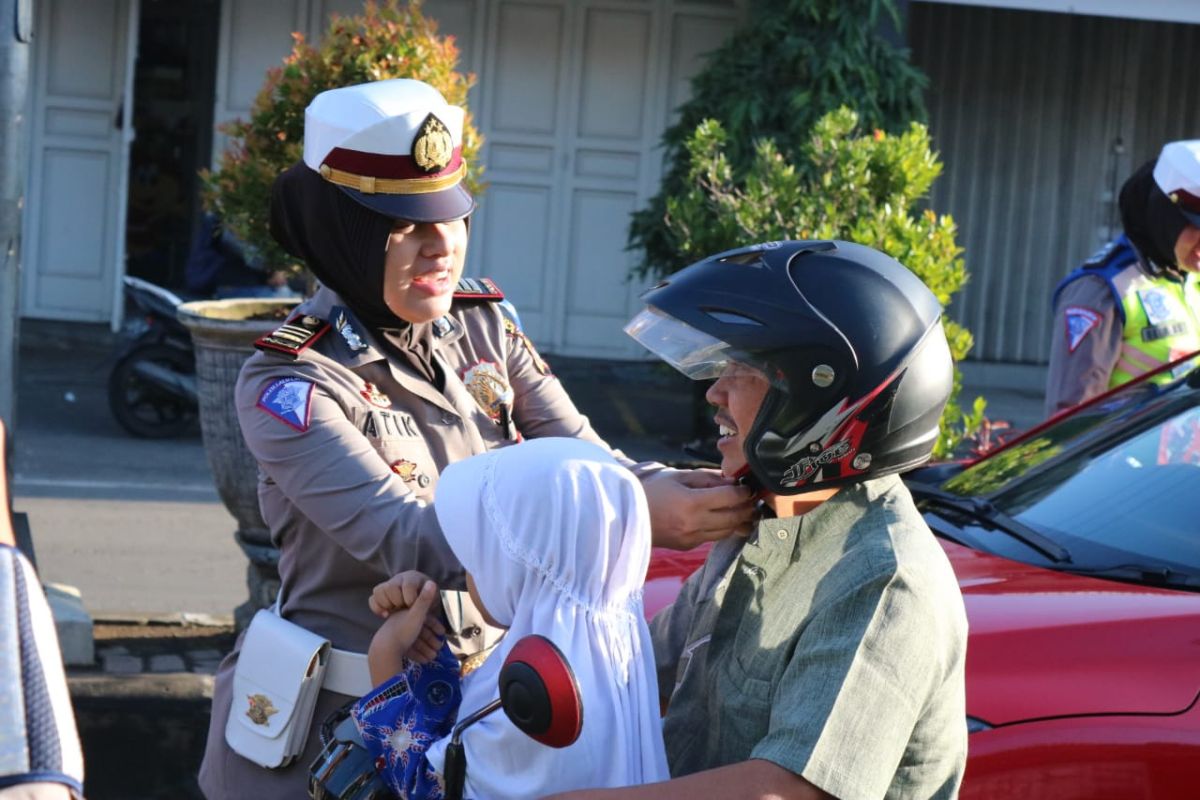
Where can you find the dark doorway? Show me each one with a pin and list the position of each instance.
(174, 85)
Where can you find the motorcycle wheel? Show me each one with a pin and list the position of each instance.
(142, 408)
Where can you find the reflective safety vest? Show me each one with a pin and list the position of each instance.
(1160, 317)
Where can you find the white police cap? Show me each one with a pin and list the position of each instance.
(1177, 174)
(395, 146)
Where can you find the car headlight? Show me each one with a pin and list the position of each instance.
(977, 725)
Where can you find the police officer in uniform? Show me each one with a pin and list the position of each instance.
(1135, 305)
(395, 368)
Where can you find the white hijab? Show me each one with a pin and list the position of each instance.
(556, 535)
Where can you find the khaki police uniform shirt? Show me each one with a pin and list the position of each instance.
(1081, 369)
(350, 444)
(832, 644)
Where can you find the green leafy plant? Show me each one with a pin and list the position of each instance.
(845, 183)
(789, 64)
(389, 40)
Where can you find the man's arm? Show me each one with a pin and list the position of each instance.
(748, 780)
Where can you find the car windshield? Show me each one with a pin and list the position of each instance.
(1117, 484)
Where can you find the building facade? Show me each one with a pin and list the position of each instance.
(1038, 113)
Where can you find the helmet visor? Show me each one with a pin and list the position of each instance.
(693, 352)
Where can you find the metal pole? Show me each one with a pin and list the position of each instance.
(16, 32)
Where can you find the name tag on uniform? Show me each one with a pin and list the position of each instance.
(1155, 332)
(383, 424)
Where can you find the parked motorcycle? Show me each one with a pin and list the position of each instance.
(152, 386)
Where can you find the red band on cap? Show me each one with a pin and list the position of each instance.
(376, 165)
(1186, 200)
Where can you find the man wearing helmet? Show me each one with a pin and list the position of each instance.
(822, 656)
(1135, 305)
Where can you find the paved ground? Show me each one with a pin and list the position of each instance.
(134, 524)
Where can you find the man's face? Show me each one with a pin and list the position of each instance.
(1187, 249)
(738, 395)
(424, 262)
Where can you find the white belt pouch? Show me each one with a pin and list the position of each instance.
(275, 687)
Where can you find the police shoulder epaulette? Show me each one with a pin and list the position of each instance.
(294, 336)
(477, 289)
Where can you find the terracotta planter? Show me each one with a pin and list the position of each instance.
(223, 334)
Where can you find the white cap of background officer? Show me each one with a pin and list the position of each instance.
(1177, 173)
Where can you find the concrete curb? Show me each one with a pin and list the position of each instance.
(143, 709)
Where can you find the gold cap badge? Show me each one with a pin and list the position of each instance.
(433, 148)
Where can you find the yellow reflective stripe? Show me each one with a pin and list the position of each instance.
(1142, 360)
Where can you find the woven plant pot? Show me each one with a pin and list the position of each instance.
(223, 334)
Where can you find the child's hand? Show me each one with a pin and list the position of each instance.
(398, 592)
(413, 633)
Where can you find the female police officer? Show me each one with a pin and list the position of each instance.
(395, 368)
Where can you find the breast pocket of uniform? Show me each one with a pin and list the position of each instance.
(398, 440)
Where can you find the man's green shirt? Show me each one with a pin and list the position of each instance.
(831, 644)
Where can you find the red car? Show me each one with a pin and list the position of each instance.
(1077, 548)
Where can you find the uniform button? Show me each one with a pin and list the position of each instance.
(423, 481)
(781, 533)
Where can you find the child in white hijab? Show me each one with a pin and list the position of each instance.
(555, 536)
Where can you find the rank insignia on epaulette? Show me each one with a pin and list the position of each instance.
(477, 289)
(294, 336)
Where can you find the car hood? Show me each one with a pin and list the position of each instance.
(1048, 644)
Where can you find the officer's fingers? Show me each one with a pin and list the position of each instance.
(726, 496)
(702, 478)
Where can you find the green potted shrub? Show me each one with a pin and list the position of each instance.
(389, 40)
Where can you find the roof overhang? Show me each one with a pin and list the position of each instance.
(1187, 11)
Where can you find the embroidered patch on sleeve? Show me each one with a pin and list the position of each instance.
(1080, 322)
(288, 400)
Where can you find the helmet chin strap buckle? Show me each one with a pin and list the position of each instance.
(745, 477)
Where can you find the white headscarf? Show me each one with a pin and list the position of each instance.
(556, 535)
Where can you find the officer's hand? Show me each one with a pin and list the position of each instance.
(398, 592)
(690, 507)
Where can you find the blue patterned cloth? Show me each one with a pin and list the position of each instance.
(399, 719)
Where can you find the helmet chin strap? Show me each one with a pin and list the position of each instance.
(746, 477)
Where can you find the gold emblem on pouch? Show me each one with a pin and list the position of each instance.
(260, 709)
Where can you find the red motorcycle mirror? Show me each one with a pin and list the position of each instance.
(539, 693)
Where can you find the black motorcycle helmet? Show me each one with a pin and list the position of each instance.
(851, 341)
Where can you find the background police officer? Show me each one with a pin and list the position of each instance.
(1135, 305)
